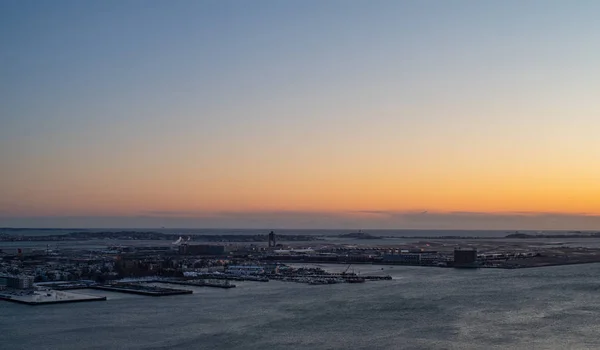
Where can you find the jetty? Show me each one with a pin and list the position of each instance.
(200, 283)
(134, 288)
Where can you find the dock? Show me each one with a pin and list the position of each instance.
(200, 283)
(49, 297)
(139, 289)
(248, 278)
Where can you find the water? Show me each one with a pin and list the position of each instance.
(422, 308)
(317, 232)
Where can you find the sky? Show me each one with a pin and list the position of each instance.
(300, 114)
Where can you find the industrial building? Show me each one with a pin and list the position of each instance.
(413, 258)
(465, 257)
(403, 258)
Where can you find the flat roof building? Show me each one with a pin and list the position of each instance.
(16, 282)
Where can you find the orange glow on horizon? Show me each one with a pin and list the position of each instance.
(321, 194)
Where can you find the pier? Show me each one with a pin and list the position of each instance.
(200, 283)
(48, 297)
(133, 288)
(230, 277)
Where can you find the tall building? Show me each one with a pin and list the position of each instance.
(272, 241)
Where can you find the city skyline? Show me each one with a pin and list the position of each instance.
(300, 114)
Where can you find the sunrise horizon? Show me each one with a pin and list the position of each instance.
(300, 113)
(310, 220)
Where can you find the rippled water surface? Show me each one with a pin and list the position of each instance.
(422, 308)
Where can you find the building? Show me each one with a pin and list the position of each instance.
(403, 258)
(272, 240)
(201, 249)
(16, 282)
(430, 259)
(465, 257)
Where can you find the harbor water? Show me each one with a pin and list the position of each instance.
(421, 308)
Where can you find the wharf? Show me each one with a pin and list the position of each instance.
(141, 290)
(199, 283)
(539, 263)
(366, 277)
(334, 275)
(50, 297)
(230, 277)
(66, 285)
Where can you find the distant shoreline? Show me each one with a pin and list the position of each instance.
(132, 235)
